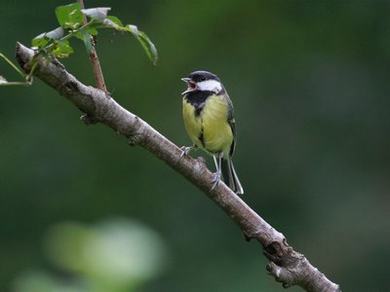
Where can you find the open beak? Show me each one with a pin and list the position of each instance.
(191, 85)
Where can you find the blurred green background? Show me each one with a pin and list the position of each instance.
(310, 85)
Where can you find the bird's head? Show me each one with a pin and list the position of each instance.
(202, 81)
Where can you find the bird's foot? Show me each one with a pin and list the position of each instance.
(216, 179)
(185, 150)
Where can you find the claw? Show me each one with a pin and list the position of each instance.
(185, 150)
(216, 179)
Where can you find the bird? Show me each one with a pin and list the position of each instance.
(208, 117)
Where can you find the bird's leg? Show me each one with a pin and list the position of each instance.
(218, 173)
(215, 161)
(186, 150)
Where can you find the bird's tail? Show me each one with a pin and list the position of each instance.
(230, 176)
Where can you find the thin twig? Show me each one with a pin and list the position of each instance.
(12, 65)
(286, 265)
(93, 57)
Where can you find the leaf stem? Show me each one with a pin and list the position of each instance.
(69, 35)
(12, 65)
(14, 83)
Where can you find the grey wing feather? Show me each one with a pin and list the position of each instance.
(232, 123)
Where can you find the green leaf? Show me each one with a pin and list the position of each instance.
(87, 39)
(69, 16)
(62, 49)
(86, 34)
(90, 29)
(99, 13)
(149, 47)
(39, 41)
(114, 22)
(43, 39)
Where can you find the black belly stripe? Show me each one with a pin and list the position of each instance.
(201, 137)
(198, 110)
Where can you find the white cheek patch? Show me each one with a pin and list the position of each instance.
(210, 85)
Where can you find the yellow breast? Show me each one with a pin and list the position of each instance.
(192, 123)
(210, 129)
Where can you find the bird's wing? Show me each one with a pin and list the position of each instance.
(232, 123)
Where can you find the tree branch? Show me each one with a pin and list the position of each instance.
(94, 59)
(287, 266)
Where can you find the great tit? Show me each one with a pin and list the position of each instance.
(209, 122)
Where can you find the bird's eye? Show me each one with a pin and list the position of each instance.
(202, 78)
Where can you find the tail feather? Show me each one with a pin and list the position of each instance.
(230, 176)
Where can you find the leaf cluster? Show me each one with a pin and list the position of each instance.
(71, 20)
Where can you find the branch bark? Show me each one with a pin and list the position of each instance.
(286, 265)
